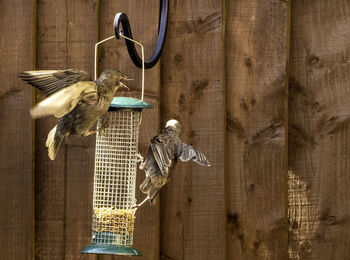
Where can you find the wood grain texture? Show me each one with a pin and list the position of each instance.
(81, 36)
(256, 55)
(192, 203)
(50, 188)
(16, 129)
(223, 74)
(143, 17)
(319, 130)
(67, 32)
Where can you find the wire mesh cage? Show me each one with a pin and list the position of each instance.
(115, 180)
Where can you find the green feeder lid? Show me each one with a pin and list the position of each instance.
(110, 250)
(128, 102)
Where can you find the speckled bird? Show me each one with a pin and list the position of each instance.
(74, 99)
(163, 154)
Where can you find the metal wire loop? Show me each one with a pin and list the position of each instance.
(142, 59)
(122, 18)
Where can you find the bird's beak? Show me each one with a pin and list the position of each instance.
(123, 85)
(124, 78)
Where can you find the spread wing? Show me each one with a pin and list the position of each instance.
(161, 155)
(52, 81)
(65, 100)
(190, 153)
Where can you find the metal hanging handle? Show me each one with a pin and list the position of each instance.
(142, 59)
(122, 18)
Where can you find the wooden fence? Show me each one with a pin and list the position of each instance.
(262, 89)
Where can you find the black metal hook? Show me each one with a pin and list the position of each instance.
(123, 19)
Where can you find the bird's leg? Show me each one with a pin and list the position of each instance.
(140, 204)
(105, 120)
(93, 132)
(104, 125)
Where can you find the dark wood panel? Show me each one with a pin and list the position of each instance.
(66, 36)
(256, 56)
(223, 74)
(143, 16)
(50, 182)
(81, 36)
(319, 130)
(16, 131)
(193, 203)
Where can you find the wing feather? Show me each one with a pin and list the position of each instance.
(190, 153)
(63, 101)
(52, 81)
(161, 156)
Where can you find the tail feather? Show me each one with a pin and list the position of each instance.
(153, 194)
(145, 185)
(53, 142)
(148, 188)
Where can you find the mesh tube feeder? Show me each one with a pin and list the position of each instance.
(116, 157)
(116, 154)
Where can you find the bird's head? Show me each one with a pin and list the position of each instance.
(113, 77)
(176, 125)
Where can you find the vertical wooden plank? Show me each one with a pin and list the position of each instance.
(143, 17)
(192, 203)
(81, 36)
(319, 113)
(256, 53)
(50, 190)
(67, 32)
(16, 189)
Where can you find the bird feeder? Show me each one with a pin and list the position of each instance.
(115, 179)
(116, 154)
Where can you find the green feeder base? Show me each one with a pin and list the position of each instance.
(110, 250)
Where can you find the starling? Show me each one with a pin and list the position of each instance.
(163, 153)
(72, 98)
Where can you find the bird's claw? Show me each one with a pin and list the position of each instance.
(140, 158)
(101, 132)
